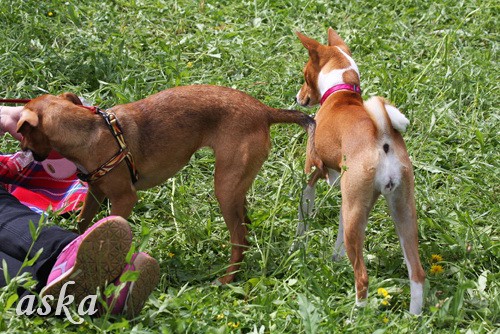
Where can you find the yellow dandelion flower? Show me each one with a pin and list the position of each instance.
(170, 254)
(220, 316)
(385, 320)
(50, 14)
(436, 258)
(189, 65)
(382, 292)
(233, 325)
(436, 269)
(385, 302)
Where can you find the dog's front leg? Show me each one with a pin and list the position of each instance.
(305, 211)
(339, 248)
(123, 203)
(306, 208)
(90, 208)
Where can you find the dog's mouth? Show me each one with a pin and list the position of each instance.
(38, 157)
(304, 103)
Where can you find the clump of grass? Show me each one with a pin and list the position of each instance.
(436, 61)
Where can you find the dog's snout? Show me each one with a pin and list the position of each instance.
(303, 103)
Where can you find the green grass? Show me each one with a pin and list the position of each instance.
(438, 62)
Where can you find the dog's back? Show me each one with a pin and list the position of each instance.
(169, 126)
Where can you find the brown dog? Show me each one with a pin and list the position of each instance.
(358, 143)
(159, 134)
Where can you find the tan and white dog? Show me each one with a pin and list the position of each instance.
(358, 144)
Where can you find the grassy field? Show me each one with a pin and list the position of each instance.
(438, 62)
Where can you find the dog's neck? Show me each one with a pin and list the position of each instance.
(335, 77)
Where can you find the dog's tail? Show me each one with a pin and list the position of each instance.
(385, 115)
(308, 123)
(290, 116)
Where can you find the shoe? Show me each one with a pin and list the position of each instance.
(92, 260)
(131, 298)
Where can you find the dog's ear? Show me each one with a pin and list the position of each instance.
(310, 44)
(72, 98)
(335, 40)
(28, 119)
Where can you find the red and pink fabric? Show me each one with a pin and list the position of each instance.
(48, 185)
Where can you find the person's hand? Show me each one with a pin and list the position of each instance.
(9, 116)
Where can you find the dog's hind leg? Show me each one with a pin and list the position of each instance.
(356, 205)
(235, 170)
(339, 248)
(306, 207)
(401, 204)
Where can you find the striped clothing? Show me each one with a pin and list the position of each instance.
(39, 190)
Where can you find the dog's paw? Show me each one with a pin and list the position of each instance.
(216, 283)
(337, 257)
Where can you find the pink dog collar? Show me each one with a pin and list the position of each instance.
(333, 89)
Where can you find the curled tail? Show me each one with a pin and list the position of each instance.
(308, 123)
(385, 114)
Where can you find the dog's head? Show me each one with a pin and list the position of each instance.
(328, 65)
(34, 120)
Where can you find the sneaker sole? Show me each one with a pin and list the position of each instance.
(100, 259)
(140, 290)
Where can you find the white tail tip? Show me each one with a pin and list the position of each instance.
(398, 120)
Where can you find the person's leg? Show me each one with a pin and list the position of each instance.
(98, 257)
(17, 243)
(91, 260)
(13, 268)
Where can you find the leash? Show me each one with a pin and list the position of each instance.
(15, 101)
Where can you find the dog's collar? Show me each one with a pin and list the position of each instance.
(122, 154)
(333, 89)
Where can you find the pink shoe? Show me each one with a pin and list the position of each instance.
(131, 298)
(91, 260)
